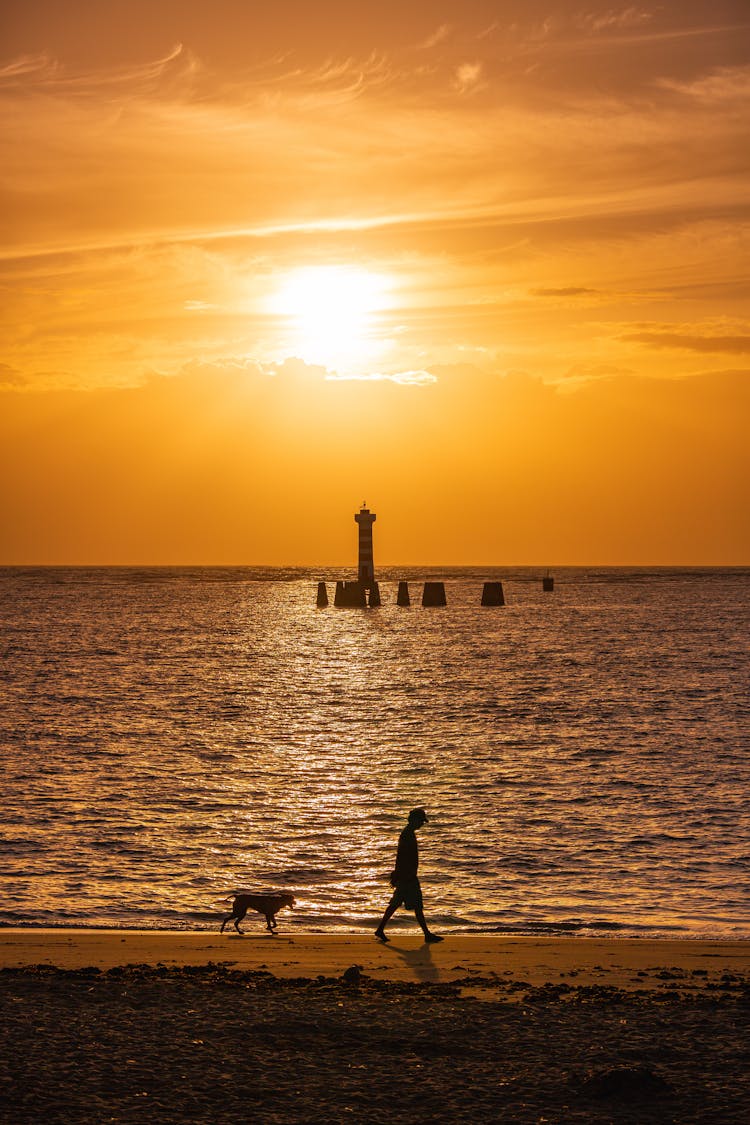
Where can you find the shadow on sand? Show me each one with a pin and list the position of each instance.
(419, 960)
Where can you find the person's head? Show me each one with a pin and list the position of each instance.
(417, 817)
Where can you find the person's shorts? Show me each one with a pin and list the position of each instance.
(408, 894)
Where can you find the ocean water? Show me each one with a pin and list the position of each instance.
(171, 735)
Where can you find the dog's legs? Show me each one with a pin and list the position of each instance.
(270, 923)
(238, 918)
(223, 924)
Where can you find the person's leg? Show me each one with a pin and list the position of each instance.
(390, 910)
(428, 935)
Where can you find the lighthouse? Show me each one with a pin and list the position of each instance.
(366, 572)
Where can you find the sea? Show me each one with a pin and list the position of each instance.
(172, 735)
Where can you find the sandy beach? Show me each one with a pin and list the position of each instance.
(626, 963)
(132, 1026)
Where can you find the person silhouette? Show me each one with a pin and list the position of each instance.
(406, 889)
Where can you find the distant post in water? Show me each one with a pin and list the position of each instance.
(322, 600)
(548, 583)
(402, 598)
(366, 572)
(492, 594)
(433, 593)
(350, 595)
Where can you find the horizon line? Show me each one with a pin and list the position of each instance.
(353, 566)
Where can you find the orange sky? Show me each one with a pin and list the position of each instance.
(481, 264)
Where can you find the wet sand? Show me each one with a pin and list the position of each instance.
(539, 960)
(141, 1026)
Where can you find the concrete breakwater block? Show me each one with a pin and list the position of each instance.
(433, 594)
(374, 598)
(548, 584)
(350, 595)
(492, 594)
(402, 597)
(322, 598)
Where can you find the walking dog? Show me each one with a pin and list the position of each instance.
(267, 905)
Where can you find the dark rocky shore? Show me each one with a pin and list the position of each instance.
(214, 1045)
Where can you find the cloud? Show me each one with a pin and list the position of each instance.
(23, 66)
(225, 365)
(467, 77)
(614, 18)
(413, 378)
(44, 73)
(287, 371)
(439, 35)
(586, 372)
(158, 151)
(10, 376)
(734, 345)
(726, 84)
(401, 378)
(564, 291)
(295, 368)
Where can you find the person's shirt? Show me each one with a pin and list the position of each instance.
(407, 856)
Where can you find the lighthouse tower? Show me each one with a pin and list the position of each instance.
(366, 573)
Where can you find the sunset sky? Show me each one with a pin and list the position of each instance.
(481, 264)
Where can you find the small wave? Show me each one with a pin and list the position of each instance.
(597, 752)
(300, 876)
(206, 917)
(566, 927)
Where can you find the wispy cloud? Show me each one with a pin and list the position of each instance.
(581, 373)
(722, 86)
(733, 345)
(439, 35)
(43, 72)
(402, 378)
(564, 291)
(10, 376)
(613, 19)
(200, 306)
(467, 77)
(163, 150)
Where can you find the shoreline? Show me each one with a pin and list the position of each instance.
(624, 963)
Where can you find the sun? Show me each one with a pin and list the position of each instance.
(331, 313)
